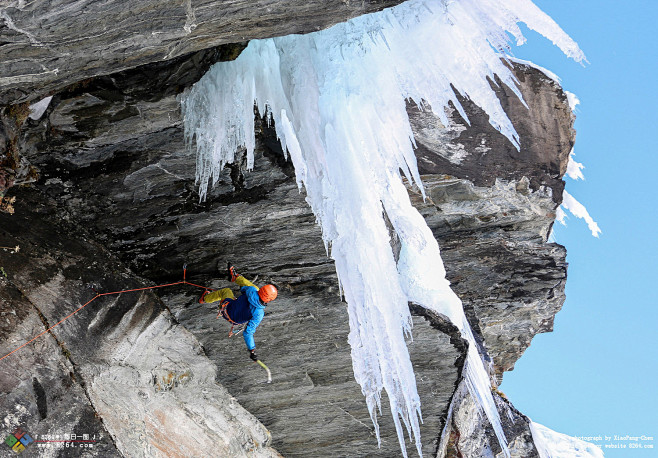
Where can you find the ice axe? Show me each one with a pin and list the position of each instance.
(269, 374)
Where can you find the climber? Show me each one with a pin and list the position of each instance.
(248, 308)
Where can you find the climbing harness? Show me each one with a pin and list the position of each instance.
(224, 313)
(98, 294)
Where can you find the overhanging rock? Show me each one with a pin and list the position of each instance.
(47, 45)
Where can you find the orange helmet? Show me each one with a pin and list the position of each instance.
(267, 293)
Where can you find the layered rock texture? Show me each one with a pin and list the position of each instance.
(122, 371)
(115, 207)
(45, 46)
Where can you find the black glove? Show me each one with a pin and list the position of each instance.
(252, 355)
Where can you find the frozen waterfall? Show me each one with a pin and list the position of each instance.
(338, 102)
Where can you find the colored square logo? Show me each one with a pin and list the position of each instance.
(18, 440)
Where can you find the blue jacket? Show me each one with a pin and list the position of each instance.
(247, 308)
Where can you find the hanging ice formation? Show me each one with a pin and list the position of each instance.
(337, 98)
(575, 171)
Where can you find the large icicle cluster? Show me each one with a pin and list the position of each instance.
(338, 101)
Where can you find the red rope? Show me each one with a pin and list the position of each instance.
(198, 286)
(142, 289)
(183, 282)
(59, 322)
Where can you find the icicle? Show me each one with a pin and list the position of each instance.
(338, 101)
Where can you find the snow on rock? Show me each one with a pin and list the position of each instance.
(574, 169)
(551, 444)
(545, 71)
(573, 100)
(560, 216)
(337, 98)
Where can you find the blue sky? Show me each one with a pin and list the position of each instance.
(596, 373)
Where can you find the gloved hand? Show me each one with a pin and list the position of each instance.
(252, 355)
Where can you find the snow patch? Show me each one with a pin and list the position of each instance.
(560, 216)
(573, 100)
(551, 444)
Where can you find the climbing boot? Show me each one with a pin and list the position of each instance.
(201, 301)
(231, 274)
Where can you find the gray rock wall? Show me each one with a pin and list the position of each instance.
(41, 389)
(48, 45)
(468, 433)
(491, 207)
(121, 368)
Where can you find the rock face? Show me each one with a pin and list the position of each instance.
(493, 213)
(121, 370)
(116, 206)
(40, 389)
(48, 45)
(468, 433)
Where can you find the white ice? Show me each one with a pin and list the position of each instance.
(39, 108)
(575, 172)
(573, 100)
(551, 444)
(574, 169)
(338, 101)
(579, 211)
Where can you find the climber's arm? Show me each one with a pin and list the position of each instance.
(248, 334)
